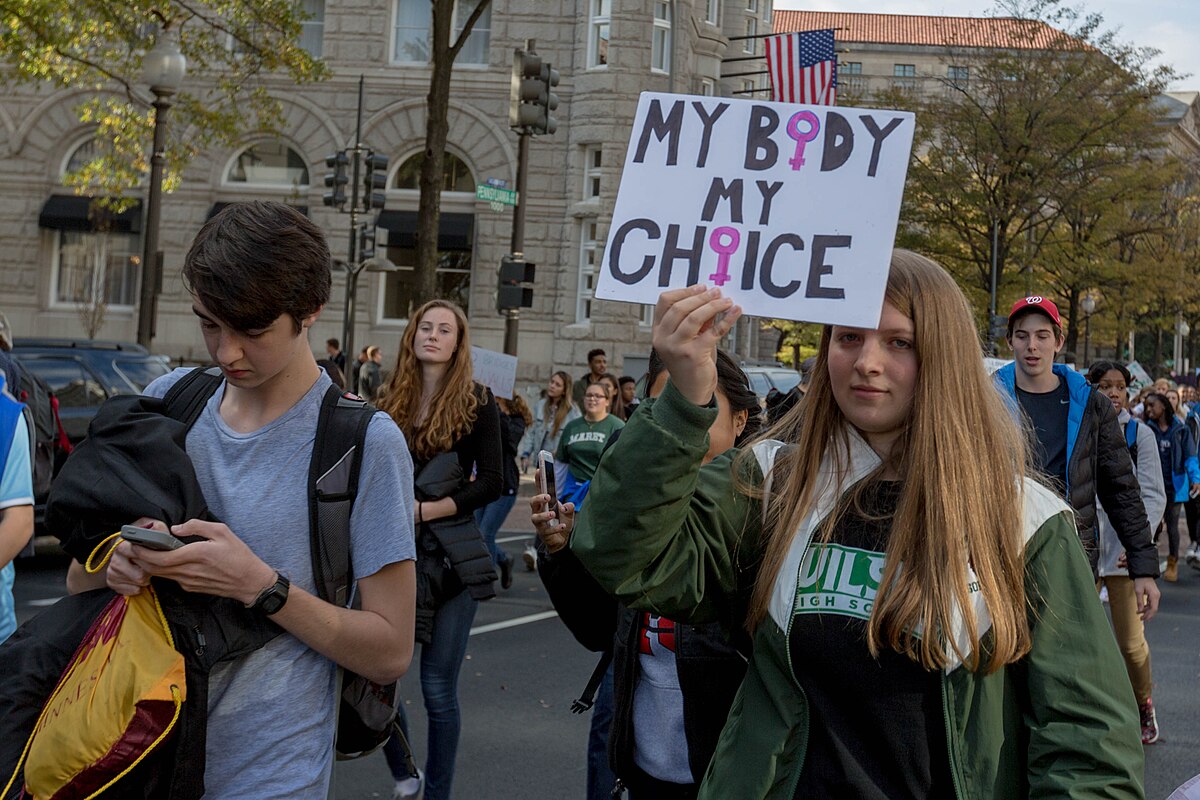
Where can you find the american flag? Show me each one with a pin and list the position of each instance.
(803, 67)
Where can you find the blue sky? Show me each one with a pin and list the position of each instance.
(1167, 25)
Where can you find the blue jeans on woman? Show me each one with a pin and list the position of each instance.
(489, 519)
(600, 777)
(441, 661)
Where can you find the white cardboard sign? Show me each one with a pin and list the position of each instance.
(790, 209)
(497, 371)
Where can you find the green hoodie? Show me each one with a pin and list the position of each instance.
(665, 535)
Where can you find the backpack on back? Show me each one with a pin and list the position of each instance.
(366, 710)
(47, 439)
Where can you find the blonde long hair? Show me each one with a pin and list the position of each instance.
(453, 407)
(565, 403)
(962, 457)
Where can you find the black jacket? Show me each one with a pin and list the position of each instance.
(709, 665)
(1099, 468)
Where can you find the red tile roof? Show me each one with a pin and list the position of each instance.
(908, 29)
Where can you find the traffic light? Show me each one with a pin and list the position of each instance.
(336, 181)
(510, 294)
(527, 87)
(549, 101)
(374, 180)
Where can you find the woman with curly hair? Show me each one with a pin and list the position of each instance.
(453, 431)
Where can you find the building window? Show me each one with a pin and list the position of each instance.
(768, 11)
(850, 68)
(660, 50)
(707, 87)
(713, 12)
(312, 29)
(598, 33)
(747, 87)
(96, 269)
(399, 288)
(268, 164)
(414, 20)
(591, 172)
(904, 71)
(647, 316)
(588, 259)
(752, 6)
(475, 49)
(958, 76)
(414, 24)
(750, 42)
(456, 175)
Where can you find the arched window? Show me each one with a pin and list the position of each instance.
(456, 175)
(96, 252)
(268, 164)
(455, 236)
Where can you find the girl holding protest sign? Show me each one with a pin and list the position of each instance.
(924, 621)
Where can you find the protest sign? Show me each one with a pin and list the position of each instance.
(791, 210)
(496, 371)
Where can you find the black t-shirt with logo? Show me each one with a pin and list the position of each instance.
(1047, 411)
(876, 728)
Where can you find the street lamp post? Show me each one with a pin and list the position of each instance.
(1088, 305)
(163, 70)
(1182, 329)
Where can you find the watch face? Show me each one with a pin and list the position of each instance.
(274, 601)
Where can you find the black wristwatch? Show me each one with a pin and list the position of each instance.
(272, 598)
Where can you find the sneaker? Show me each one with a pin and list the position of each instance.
(506, 573)
(413, 788)
(530, 556)
(1103, 594)
(1149, 722)
(1192, 557)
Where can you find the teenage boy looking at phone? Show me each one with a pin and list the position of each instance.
(259, 274)
(1077, 442)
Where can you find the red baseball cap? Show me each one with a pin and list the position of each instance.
(1043, 304)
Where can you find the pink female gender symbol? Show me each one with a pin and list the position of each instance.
(802, 138)
(723, 251)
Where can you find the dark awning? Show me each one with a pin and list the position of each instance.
(216, 209)
(68, 212)
(455, 231)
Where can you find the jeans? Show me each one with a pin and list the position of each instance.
(600, 777)
(489, 519)
(441, 661)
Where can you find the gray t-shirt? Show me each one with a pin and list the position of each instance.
(271, 713)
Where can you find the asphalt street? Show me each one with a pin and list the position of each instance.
(519, 739)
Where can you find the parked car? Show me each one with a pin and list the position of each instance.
(764, 379)
(84, 373)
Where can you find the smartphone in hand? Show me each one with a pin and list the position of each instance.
(150, 538)
(546, 465)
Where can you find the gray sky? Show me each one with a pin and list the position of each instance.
(1171, 26)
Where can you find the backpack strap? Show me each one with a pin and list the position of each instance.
(1131, 433)
(186, 398)
(332, 487)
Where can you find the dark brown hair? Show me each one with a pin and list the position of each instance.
(254, 261)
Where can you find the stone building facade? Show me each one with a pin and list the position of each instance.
(53, 259)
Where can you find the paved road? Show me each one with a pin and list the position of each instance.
(520, 741)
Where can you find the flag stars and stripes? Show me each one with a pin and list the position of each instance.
(803, 67)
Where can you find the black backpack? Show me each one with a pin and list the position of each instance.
(47, 439)
(367, 710)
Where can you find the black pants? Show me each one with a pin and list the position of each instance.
(1171, 523)
(1192, 509)
(645, 787)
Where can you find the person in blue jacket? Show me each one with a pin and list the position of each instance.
(1076, 442)
(1180, 469)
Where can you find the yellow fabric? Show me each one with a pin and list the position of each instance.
(117, 700)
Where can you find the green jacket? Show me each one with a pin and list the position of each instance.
(665, 535)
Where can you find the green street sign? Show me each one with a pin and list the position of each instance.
(494, 194)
